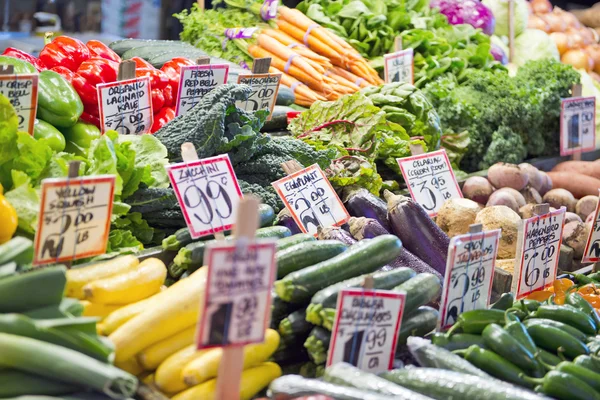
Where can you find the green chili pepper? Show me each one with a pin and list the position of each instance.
(527, 305)
(493, 364)
(568, 315)
(58, 103)
(590, 377)
(504, 344)
(564, 386)
(557, 324)
(585, 279)
(595, 276)
(475, 321)
(519, 332)
(504, 302)
(577, 301)
(589, 362)
(557, 341)
(517, 312)
(548, 358)
(458, 341)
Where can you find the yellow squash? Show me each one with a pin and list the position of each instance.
(150, 358)
(179, 308)
(253, 381)
(98, 310)
(77, 278)
(201, 369)
(131, 365)
(128, 287)
(148, 379)
(8, 218)
(168, 375)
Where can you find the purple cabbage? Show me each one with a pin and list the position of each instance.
(471, 12)
(499, 54)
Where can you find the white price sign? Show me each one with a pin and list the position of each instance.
(538, 251)
(208, 192)
(22, 92)
(430, 179)
(74, 218)
(264, 92)
(126, 106)
(237, 300)
(311, 200)
(577, 125)
(592, 247)
(469, 274)
(365, 331)
(196, 81)
(398, 66)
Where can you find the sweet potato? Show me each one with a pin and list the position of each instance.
(578, 184)
(589, 168)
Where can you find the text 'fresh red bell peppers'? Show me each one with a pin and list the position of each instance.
(66, 52)
(21, 55)
(162, 118)
(99, 49)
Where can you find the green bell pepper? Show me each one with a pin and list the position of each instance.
(20, 66)
(58, 103)
(43, 131)
(79, 137)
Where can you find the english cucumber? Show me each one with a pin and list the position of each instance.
(420, 290)
(418, 323)
(295, 386)
(149, 51)
(121, 46)
(304, 255)
(363, 258)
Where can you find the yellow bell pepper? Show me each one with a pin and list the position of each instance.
(8, 218)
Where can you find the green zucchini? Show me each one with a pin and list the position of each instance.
(442, 385)
(17, 383)
(191, 256)
(308, 370)
(179, 239)
(290, 351)
(175, 270)
(317, 344)
(278, 120)
(304, 255)
(295, 325)
(62, 364)
(420, 290)
(285, 96)
(19, 249)
(121, 46)
(33, 289)
(418, 323)
(295, 386)
(293, 240)
(321, 310)
(280, 309)
(348, 375)
(362, 258)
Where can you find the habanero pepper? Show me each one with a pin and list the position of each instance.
(172, 69)
(21, 55)
(504, 344)
(99, 49)
(162, 118)
(65, 52)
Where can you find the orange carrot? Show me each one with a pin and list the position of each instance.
(299, 87)
(298, 47)
(318, 67)
(350, 77)
(314, 43)
(343, 81)
(273, 46)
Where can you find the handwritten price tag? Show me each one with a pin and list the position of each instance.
(430, 179)
(311, 200)
(196, 81)
(264, 92)
(398, 66)
(208, 192)
(365, 331)
(74, 218)
(577, 125)
(237, 301)
(126, 106)
(22, 92)
(538, 250)
(469, 274)
(592, 247)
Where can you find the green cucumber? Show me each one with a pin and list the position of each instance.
(285, 96)
(345, 374)
(362, 258)
(418, 323)
(33, 289)
(279, 119)
(420, 290)
(266, 215)
(295, 325)
(163, 56)
(19, 249)
(148, 52)
(441, 384)
(121, 46)
(295, 386)
(317, 344)
(293, 240)
(304, 255)
(321, 310)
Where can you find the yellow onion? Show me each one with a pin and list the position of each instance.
(570, 19)
(541, 6)
(593, 51)
(557, 24)
(562, 41)
(535, 22)
(576, 38)
(579, 59)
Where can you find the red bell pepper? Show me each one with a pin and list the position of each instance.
(85, 90)
(158, 100)
(173, 70)
(158, 79)
(90, 118)
(99, 49)
(16, 53)
(64, 51)
(169, 99)
(162, 118)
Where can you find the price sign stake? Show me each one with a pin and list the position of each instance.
(365, 331)
(398, 66)
(126, 105)
(577, 124)
(196, 81)
(207, 191)
(22, 92)
(74, 217)
(430, 179)
(469, 274)
(592, 247)
(538, 252)
(264, 87)
(309, 197)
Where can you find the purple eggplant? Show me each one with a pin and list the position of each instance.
(335, 233)
(284, 218)
(408, 259)
(365, 228)
(418, 233)
(361, 203)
